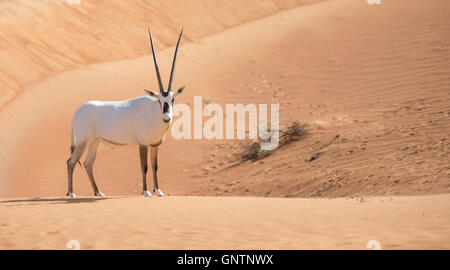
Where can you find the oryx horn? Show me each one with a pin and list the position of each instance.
(169, 88)
(161, 88)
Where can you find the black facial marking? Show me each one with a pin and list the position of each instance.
(166, 107)
(164, 94)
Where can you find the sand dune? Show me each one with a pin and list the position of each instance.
(374, 75)
(41, 38)
(225, 223)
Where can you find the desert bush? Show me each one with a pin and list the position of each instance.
(294, 131)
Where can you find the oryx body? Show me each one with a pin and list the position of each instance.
(121, 122)
(142, 121)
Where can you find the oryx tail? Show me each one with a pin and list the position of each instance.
(73, 143)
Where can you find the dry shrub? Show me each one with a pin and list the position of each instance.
(294, 131)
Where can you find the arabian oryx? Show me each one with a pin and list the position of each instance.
(142, 120)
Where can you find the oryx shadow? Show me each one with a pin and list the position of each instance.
(37, 201)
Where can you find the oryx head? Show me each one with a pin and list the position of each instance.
(165, 98)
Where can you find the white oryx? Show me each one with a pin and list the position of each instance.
(143, 120)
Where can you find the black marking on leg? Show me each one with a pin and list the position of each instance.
(143, 154)
(72, 148)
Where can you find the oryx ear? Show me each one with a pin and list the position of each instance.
(151, 93)
(179, 91)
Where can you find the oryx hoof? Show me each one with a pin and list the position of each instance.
(71, 195)
(99, 194)
(159, 193)
(146, 193)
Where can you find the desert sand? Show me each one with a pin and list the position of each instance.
(226, 223)
(377, 75)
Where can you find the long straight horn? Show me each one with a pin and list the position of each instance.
(161, 88)
(169, 88)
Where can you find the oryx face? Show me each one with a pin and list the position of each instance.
(165, 98)
(166, 101)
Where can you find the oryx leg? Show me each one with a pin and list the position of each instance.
(89, 164)
(143, 155)
(71, 162)
(154, 158)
